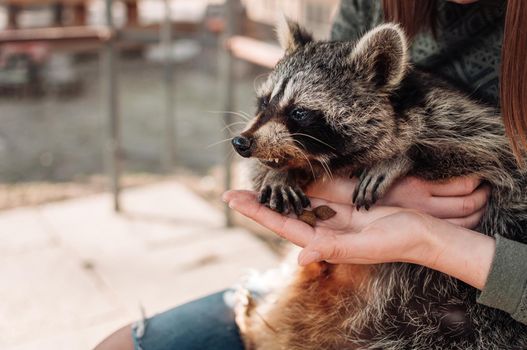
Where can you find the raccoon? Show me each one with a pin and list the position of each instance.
(345, 109)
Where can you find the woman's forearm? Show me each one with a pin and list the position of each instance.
(459, 252)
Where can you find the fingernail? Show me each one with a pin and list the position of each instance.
(308, 257)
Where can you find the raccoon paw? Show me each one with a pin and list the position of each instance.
(371, 186)
(284, 199)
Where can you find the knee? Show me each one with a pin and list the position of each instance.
(119, 340)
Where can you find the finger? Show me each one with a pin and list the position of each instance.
(338, 190)
(458, 207)
(323, 247)
(346, 248)
(457, 187)
(230, 194)
(469, 222)
(289, 228)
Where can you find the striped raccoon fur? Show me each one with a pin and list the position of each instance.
(361, 108)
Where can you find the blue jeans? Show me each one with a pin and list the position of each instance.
(206, 323)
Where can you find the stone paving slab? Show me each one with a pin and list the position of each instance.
(20, 231)
(73, 271)
(45, 291)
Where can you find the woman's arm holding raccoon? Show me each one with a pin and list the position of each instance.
(382, 234)
(413, 237)
(458, 200)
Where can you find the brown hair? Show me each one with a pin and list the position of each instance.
(414, 16)
(420, 15)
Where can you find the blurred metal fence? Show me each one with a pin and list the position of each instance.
(108, 37)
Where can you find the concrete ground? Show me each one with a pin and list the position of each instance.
(73, 271)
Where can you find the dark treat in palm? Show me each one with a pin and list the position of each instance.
(308, 217)
(324, 212)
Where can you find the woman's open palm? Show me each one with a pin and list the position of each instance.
(382, 234)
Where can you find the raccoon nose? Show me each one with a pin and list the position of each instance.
(242, 145)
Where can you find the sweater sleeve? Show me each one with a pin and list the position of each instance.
(506, 286)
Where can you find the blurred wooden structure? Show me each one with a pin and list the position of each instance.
(107, 38)
(61, 34)
(78, 7)
(314, 14)
(254, 51)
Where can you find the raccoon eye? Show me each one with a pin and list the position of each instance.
(263, 102)
(299, 114)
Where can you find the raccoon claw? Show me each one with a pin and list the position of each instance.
(284, 199)
(370, 188)
(264, 195)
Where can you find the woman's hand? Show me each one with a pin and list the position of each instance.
(383, 234)
(461, 201)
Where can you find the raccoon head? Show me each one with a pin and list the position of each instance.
(328, 101)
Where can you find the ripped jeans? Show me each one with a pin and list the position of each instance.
(206, 323)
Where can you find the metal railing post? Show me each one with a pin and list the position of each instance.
(227, 71)
(167, 157)
(110, 91)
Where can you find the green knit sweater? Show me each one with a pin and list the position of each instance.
(466, 52)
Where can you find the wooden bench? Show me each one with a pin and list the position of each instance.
(254, 51)
(74, 34)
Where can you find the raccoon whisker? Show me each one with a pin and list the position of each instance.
(241, 115)
(232, 124)
(228, 127)
(305, 156)
(299, 143)
(246, 114)
(232, 112)
(314, 138)
(326, 167)
(310, 166)
(326, 161)
(231, 155)
(217, 143)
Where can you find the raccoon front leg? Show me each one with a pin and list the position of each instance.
(280, 192)
(374, 182)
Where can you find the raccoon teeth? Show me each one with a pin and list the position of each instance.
(276, 160)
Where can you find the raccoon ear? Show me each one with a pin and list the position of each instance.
(291, 36)
(381, 56)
